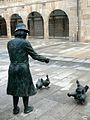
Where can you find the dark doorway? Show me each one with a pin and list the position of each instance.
(3, 28)
(35, 25)
(15, 18)
(58, 24)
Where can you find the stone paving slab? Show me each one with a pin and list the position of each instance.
(65, 67)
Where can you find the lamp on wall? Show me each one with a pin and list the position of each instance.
(43, 3)
(23, 6)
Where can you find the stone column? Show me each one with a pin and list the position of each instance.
(46, 29)
(73, 28)
(8, 28)
(25, 22)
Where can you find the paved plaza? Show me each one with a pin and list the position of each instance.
(69, 61)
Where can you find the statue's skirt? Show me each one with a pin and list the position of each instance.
(20, 80)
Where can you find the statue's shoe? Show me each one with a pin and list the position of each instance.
(16, 110)
(28, 109)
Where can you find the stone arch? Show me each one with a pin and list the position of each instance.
(15, 18)
(58, 24)
(35, 25)
(3, 27)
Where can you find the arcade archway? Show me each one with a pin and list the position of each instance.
(58, 24)
(3, 28)
(35, 25)
(15, 18)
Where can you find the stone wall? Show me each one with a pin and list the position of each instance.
(85, 20)
(45, 7)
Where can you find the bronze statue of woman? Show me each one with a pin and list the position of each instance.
(20, 83)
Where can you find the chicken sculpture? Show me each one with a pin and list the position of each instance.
(40, 83)
(79, 94)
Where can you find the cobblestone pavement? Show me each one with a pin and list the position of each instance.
(69, 61)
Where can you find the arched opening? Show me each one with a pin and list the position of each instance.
(35, 25)
(58, 24)
(3, 28)
(15, 18)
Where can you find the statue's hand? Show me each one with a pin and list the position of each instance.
(46, 60)
(68, 95)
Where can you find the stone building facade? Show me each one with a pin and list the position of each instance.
(46, 19)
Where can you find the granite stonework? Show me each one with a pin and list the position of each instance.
(77, 12)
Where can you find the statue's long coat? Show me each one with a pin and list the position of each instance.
(19, 77)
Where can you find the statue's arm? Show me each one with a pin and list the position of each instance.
(33, 54)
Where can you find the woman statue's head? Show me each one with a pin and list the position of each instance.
(21, 31)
